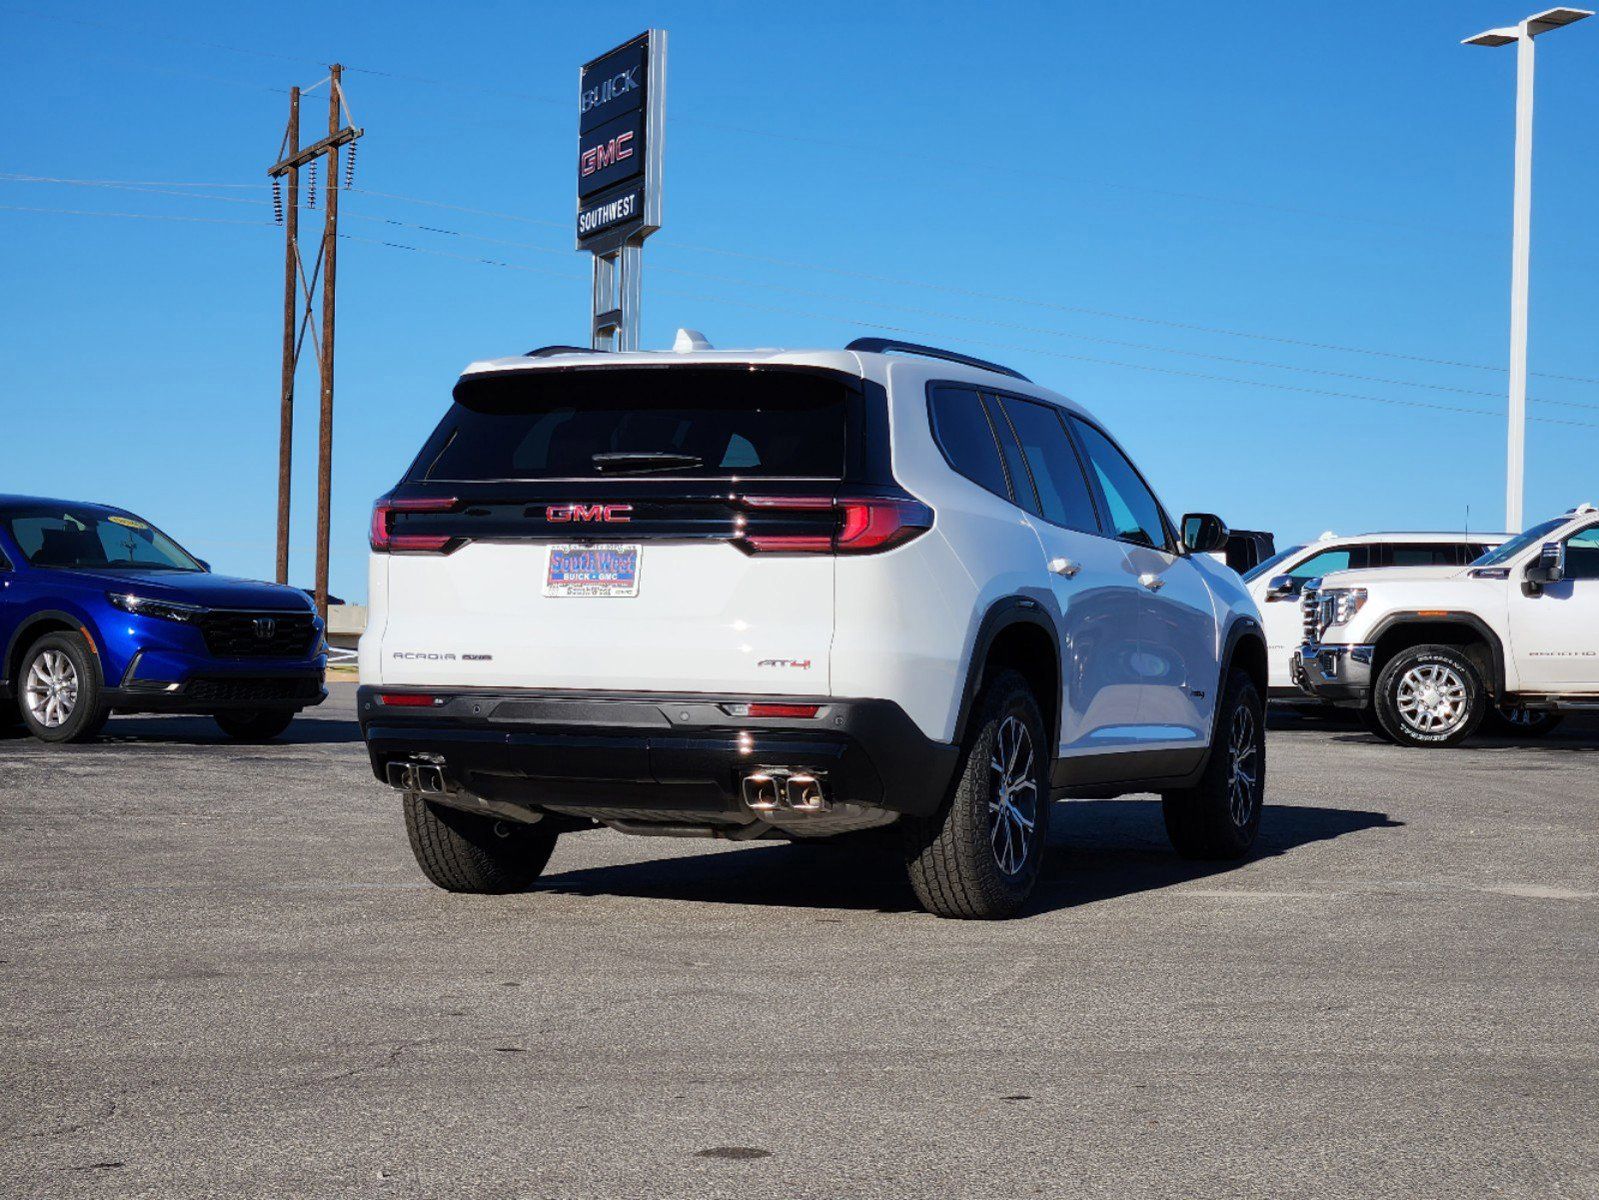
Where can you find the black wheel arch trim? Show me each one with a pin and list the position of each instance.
(1241, 628)
(1004, 613)
(23, 637)
(1496, 649)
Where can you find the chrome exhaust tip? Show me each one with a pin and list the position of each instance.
(804, 793)
(763, 791)
(408, 775)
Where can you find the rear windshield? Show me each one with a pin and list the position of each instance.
(672, 423)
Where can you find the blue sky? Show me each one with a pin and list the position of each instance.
(1196, 228)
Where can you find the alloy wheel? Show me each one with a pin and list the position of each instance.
(1243, 752)
(1432, 699)
(1013, 800)
(52, 689)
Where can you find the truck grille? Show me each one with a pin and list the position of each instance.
(233, 634)
(1317, 612)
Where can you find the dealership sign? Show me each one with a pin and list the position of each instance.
(621, 103)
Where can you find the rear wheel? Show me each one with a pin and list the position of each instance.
(1517, 721)
(254, 725)
(1430, 696)
(979, 855)
(462, 852)
(1220, 816)
(60, 694)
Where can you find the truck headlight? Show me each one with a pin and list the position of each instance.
(143, 606)
(1342, 604)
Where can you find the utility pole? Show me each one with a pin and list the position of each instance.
(299, 292)
(291, 283)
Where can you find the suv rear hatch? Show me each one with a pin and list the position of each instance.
(631, 528)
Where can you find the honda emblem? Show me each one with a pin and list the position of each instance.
(265, 627)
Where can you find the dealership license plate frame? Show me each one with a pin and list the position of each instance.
(614, 580)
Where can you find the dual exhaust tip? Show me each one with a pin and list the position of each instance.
(413, 776)
(772, 789)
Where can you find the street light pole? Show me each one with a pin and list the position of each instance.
(1521, 239)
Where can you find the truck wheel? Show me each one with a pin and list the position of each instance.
(978, 856)
(1515, 721)
(462, 852)
(1368, 718)
(254, 725)
(1220, 817)
(60, 693)
(1429, 696)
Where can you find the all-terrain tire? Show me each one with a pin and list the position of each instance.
(254, 725)
(462, 852)
(59, 690)
(1430, 696)
(978, 856)
(1220, 816)
(1374, 726)
(1513, 721)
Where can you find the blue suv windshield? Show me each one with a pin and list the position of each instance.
(92, 539)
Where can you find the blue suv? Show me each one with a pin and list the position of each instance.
(101, 612)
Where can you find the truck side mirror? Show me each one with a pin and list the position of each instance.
(1282, 587)
(1204, 533)
(1550, 565)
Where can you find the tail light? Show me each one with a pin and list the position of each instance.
(384, 540)
(865, 524)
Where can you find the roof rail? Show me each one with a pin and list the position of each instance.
(872, 345)
(548, 351)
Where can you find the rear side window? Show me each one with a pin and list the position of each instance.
(1134, 512)
(964, 435)
(652, 422)
(1425, 554)
(1062, 489)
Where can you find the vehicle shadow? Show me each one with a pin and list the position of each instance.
(1099, 849)
(201, 731)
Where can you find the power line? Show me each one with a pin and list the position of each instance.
(1255, 383)
(950, 289)
(80, 212)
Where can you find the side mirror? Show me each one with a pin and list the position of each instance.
(1204, 533)
(1550, 565)
(204, 566)
(1282, 587)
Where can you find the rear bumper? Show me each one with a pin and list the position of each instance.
(1338, 674)
(654, 756)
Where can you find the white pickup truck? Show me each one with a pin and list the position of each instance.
(1428, 656)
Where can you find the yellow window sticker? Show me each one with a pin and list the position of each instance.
(129, 522)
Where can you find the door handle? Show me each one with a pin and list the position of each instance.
(1065, 566)
(1153, 582)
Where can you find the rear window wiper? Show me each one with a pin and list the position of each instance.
(639, 462)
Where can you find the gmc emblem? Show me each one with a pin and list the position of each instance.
(613, 513)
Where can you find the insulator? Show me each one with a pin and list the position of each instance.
(349, 168)
(277, 201)
(310, 191)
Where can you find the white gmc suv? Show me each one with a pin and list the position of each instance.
(1512, 639)
(796, 594)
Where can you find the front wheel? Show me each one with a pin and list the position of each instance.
(462, 852)
(1430, 696)
(979, 855)
(254, 725)
(60, 694)
(1220, 817)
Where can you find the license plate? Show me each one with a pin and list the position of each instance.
(592, 571)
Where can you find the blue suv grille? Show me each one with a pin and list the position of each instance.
(232, 634)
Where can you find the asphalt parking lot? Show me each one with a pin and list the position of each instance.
(224, 976)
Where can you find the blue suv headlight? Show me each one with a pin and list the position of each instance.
(143, 606)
